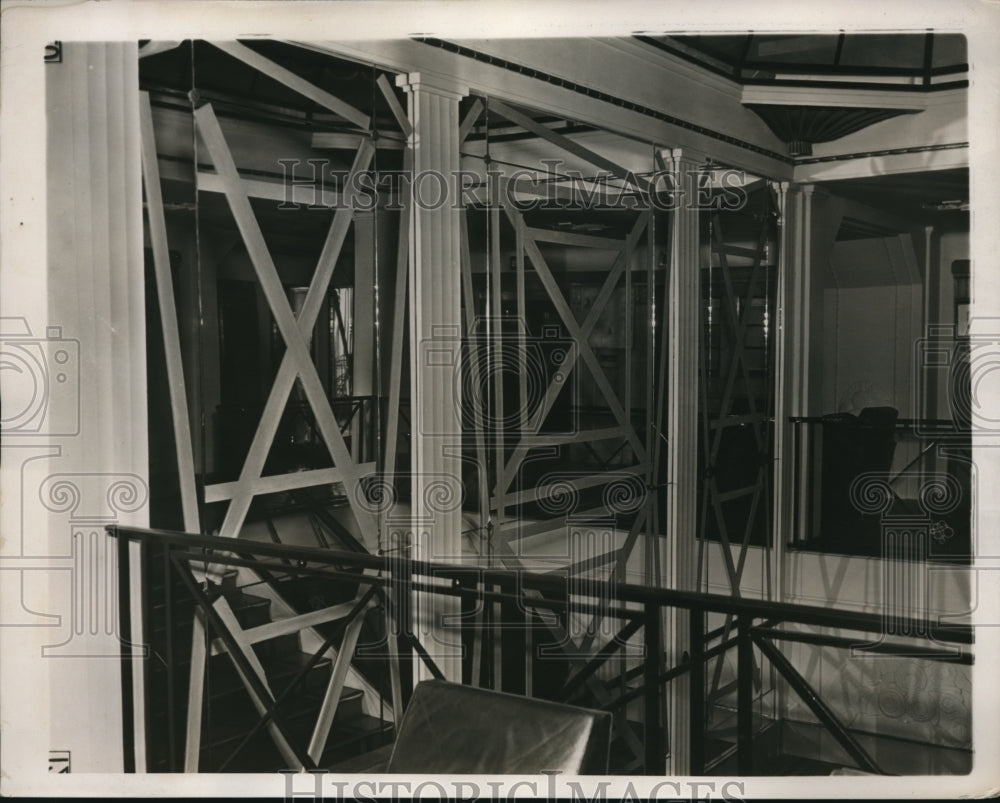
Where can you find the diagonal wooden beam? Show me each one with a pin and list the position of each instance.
(586, 353)
(618, 571)
(565, 644)
(168, 318)
(568, 144)
(196, 693)
(496, 357)
(335, 686)
(297, 361)
(522, 327)
(257, 686)
(744, 323)
(580, 482)
(151, 48)
(759, 487)
(738, 325)
(469, 120)
(294, 82)
(293, 624)
(577, 239)
(552, 392)
(474, 365)
(394, 105)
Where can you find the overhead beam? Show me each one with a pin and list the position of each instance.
(575, 238)
(386, 140)
(276, 190)
(758, 153)
(569, 145)
(294, 82)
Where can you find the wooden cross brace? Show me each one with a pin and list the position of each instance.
(297, 362)
(580, 334)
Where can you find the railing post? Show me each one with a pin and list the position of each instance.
(400, 624)
(470, 607)
(145, 628)
(168, 612)
(696, 653)
(125, 640)
(512, 640)
(655, 760)
(744, 696)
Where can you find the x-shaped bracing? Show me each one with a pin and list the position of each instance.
(580, 334)
(296, 362)
(737, 323)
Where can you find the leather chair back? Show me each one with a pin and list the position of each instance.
(453, 729)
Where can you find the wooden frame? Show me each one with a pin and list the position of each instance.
(297, 362)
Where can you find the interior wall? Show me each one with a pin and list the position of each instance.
(870, 302)
(868, 348)
(947, 246)
(927, 701)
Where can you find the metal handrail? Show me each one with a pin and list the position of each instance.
(639, 607)
(548, 583)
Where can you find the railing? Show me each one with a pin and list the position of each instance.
(841, 460)
(503, 612)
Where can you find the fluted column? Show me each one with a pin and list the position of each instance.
(683, 324)
(80, 448)
(435, 338)
(791, 382)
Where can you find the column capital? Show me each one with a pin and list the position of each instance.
(679, 156)
(434, 83)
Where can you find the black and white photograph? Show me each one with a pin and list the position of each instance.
(477, 400)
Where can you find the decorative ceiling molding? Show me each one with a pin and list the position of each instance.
(835, 96)
(800, 127)
(888, 161)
